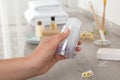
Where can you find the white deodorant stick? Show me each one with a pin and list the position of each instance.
(68, 46)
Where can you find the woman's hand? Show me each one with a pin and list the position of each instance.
(44, 55)
(39, 62)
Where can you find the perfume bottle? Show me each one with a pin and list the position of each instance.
(38, 30)
(53, 24)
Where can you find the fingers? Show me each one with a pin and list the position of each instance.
(78, 47)
(79, 43)
(59, 57)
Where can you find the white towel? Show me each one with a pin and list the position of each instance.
(46, 5)
(49, 9)
(33, 17)
(43, 4)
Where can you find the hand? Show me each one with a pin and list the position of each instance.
(44, 55)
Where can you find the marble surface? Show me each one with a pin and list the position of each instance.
(70, 69)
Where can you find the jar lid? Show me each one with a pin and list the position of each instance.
(53, 18)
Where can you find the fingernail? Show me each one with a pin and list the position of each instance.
(66, 30)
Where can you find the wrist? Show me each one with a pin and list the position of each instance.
(32, 66)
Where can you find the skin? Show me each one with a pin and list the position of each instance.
(38, 63)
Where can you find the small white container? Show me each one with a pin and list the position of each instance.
(108, 54)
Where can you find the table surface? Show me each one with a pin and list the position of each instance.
(70, 69)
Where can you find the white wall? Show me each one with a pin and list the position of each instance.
(11, 6)
(112, 13)
(20, 5)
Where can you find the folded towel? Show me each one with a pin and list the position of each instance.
(43, 3)
(33, 17)
(48, 9)
(46, 5)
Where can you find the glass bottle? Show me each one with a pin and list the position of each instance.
(38, 30)
(53, 24)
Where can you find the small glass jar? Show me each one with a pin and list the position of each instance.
(102, 39)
